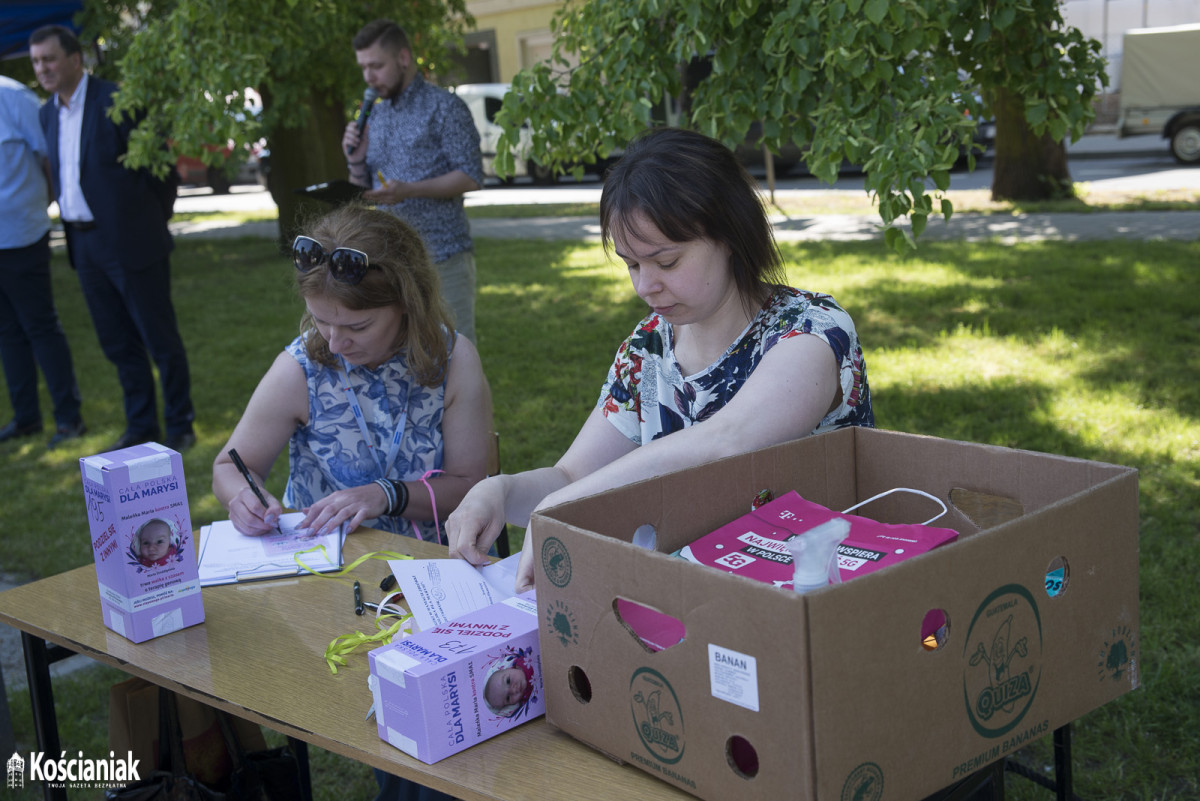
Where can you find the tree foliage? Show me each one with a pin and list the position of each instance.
(184, 67)
(891, 85)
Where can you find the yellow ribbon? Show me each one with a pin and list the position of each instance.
(336, 653)
(338, 574)
(345, 644)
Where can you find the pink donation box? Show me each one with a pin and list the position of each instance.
(446, 689)
(137, 509)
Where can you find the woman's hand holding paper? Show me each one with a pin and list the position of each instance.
(476, 523)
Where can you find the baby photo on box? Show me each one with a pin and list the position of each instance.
(462, 682)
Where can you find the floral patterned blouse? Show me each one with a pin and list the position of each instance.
(647, 397)
(329, 453)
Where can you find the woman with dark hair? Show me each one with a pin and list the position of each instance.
(384, 409)
(729, 359)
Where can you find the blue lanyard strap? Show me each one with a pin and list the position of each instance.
(397, 435)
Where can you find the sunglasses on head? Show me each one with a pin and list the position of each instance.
(345, 264)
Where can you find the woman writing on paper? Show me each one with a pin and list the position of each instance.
(728, 360)
(384, 409)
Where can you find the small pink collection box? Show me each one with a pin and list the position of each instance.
(755, 545)
(146, 567)
(446, 689)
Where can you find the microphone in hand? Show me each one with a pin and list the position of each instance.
(368, 101)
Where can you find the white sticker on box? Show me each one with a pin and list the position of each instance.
(145, 468)
(733, 676)
(521, 605)
(406, 744)
(167, 622)
(95, 466)
(392, 664)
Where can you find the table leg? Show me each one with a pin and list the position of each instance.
(300, 749)
(41, 696)
(1064, 780)
(985, 784)
(8, 740)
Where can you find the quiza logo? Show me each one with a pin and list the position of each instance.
(1003, 656)
(865, 783)
(656, 715)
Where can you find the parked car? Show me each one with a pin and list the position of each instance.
(484, 101)
(194, 172)
(251, 167)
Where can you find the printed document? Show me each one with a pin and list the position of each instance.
(441, 590)
(228, 556)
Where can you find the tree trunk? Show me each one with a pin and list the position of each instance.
(303, 156)
(1027, 167)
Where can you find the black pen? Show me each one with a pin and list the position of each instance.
(241, 466)
(358, 601)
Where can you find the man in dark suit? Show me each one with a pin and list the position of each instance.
(117, 239)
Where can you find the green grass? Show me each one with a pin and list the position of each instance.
(527, 210)
(1088, 200)
(225, 216)
(1083, 349)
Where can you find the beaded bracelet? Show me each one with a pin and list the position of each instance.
(402, 489)
(389, 492)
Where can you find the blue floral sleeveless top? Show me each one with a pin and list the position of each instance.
(329, 453)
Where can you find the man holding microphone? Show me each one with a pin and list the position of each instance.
(417, 155)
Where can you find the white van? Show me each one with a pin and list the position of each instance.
(1159, 91)
(484, 101)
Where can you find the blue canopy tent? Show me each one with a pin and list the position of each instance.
(19, 19)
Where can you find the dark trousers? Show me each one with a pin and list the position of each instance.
(395, 788)
(31, 334)
(135, 322)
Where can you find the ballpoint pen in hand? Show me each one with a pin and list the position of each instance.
(241, 466)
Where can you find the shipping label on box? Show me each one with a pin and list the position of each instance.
(141, 529)
(460, 683)
(834, 693)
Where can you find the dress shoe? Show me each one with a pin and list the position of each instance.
(65, 433)
(14, 431)
(131, 438)
(181, 442)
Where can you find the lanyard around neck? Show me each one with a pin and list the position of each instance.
(397, 435)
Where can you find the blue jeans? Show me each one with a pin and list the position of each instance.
(31, 334)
